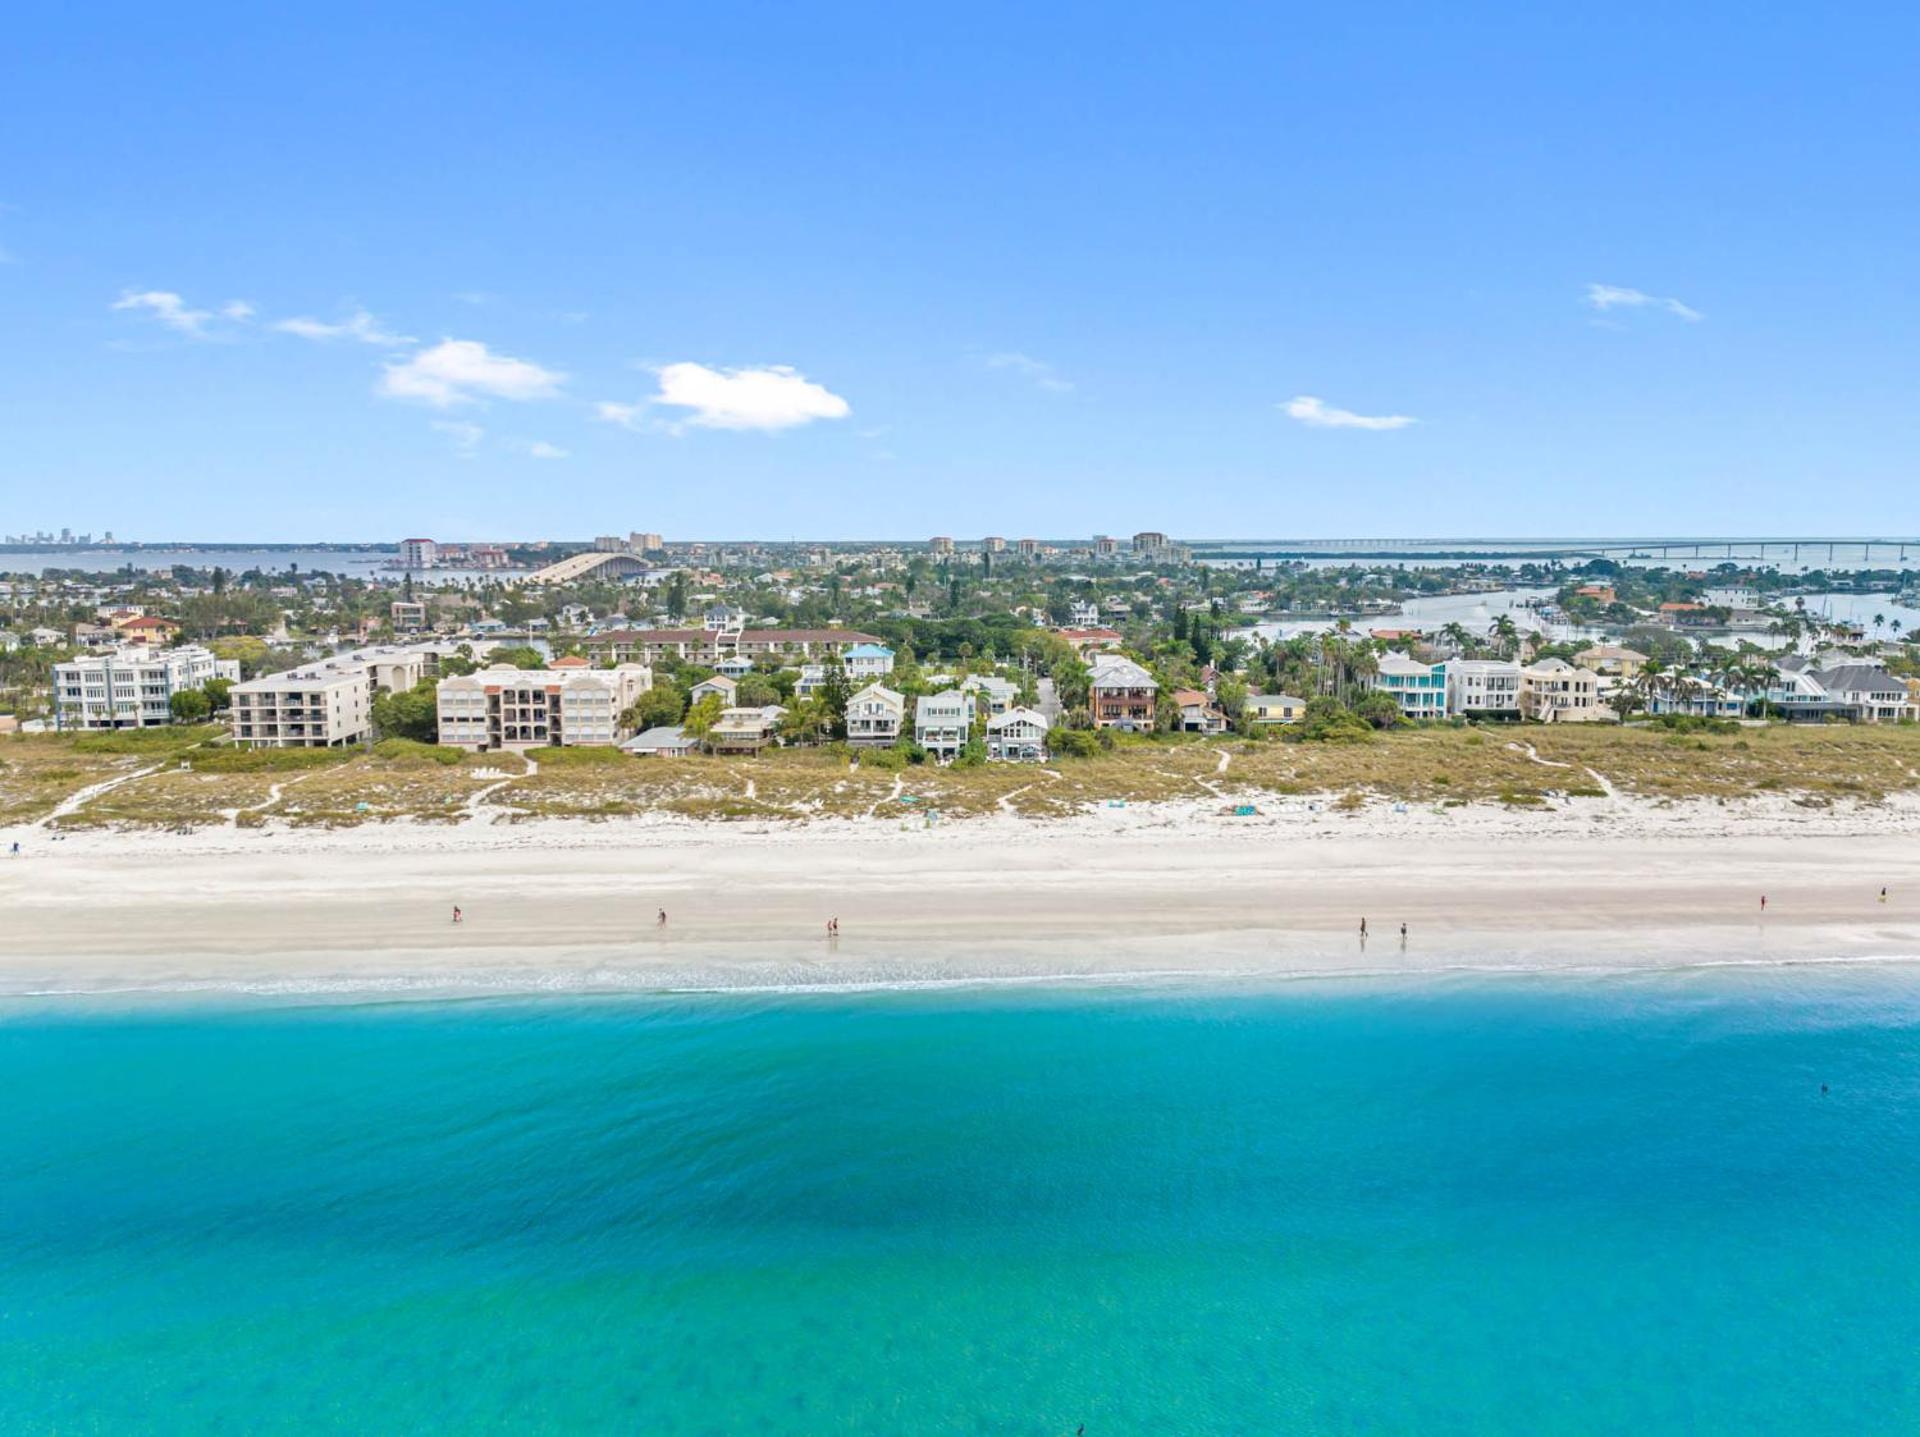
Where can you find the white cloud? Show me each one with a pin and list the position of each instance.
(540, 449)
(359, 325)
(1318, 414)
(1612, 296)
(459, 371)
(238, 310)
(627, 416)
(466, 437)
(772, 397)
(168, 308)
(1043, 375)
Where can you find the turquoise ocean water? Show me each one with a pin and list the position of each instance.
(1606, 1205)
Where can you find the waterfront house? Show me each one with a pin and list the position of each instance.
(874, 717)
(1198, 712)
(734, 666)
(1017, 736)
(666, 741)
(1121, 694)
(745, 730)
(1266, 709)
(1419, 689)
(1483, 688)
(943, 722)
(1554, 691)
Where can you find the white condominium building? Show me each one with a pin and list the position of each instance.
(506, 707)
(131, 687)
(323, 705)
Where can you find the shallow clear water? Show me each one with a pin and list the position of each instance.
(1520, 1206)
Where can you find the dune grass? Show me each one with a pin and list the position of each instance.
(1515, 766)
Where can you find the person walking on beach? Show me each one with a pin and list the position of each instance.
(1363, 930)
(1763, 903)
(661, 921)
(1403, 935)
(456, 913)
(1883, 891)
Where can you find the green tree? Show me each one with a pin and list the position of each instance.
(660, 706)
(411, 713)
(190, 706)
(219, 693)
(704, 715)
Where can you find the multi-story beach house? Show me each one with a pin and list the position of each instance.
(131, 687)
(1420, 689)
(867, 662)
(323, 705)
(1483, 688)
(1017, 736)
(1265, 709)
(718, 684)
(1198, 712)
(1612, 661)
(874, 717)
(507, 707)
(993, 695)
(1861, 692)
(1121, 694)
(1554, 691)
(746, 730)
(943, 722)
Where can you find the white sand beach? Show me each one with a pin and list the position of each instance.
(1160, 889)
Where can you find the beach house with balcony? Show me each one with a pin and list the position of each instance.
(867, 662)
(1554, 691)
(1017, 736)
(746, 730)
(1121, 694)
(1419, 689)
(1483, 688)
(874, 717)
(943, 722)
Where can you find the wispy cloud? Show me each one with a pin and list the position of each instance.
(465, 437)
(767, 398)
(461, 371)
(168, 308)
(540, 449)
(1318, 414)
(1041, 374)
(1604, 297)
(359, 325)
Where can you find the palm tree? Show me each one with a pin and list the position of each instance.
(1458, 638)
(1505, 635)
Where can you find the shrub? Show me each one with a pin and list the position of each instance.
(1073, 743)
(412, 752)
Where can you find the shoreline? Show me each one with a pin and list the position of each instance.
(1110, 895)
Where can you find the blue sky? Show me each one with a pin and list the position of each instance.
(729, 270)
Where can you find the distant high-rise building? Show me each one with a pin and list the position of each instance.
(418, 553)
(1150, 544)
(940, 544)
(609, 544)
(1028, 548)
(994, 544)
(1105, 547)
(646, 543)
